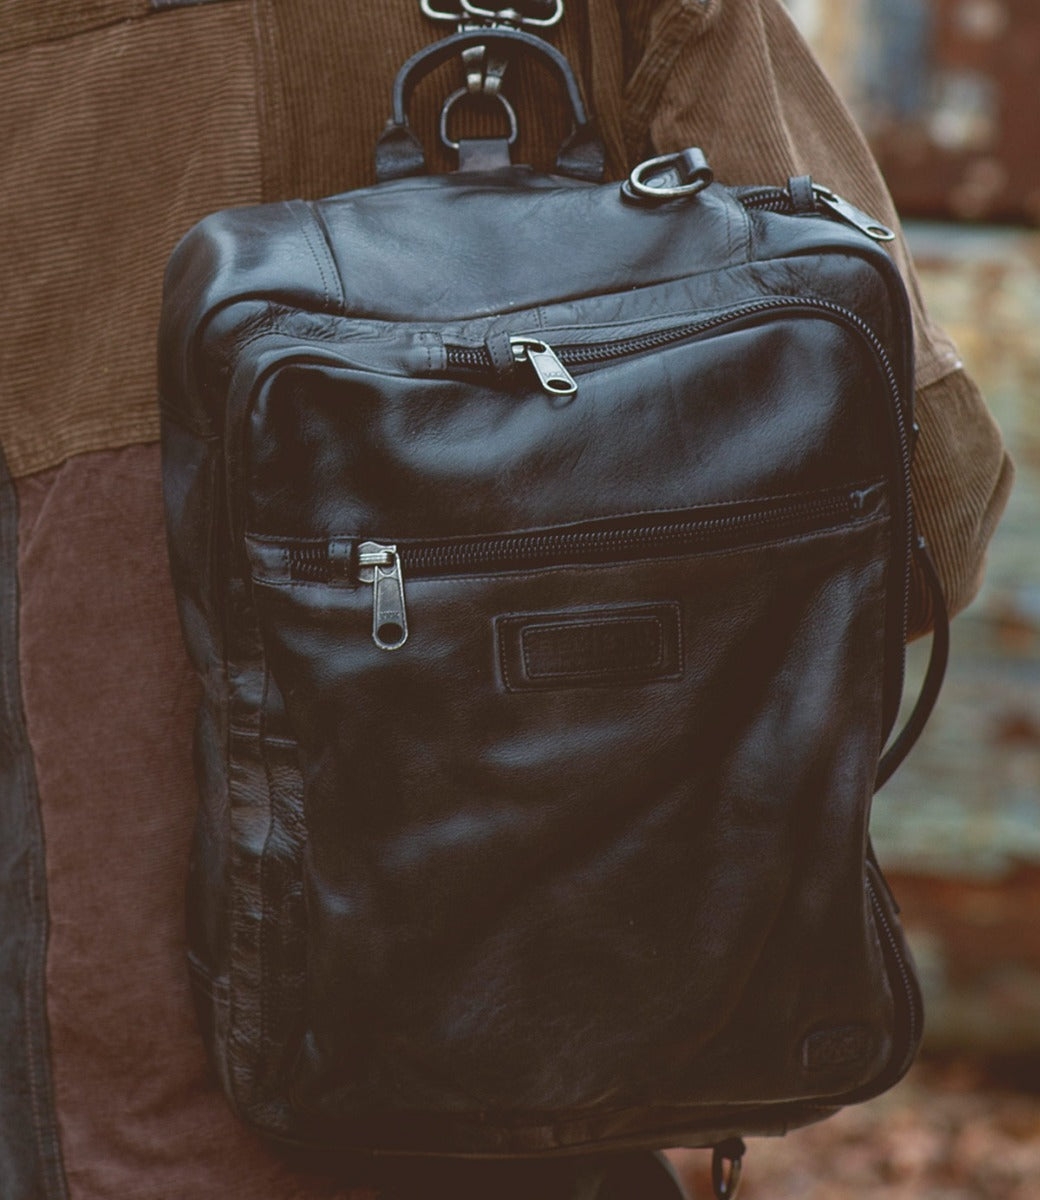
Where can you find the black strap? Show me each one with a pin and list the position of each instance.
(911, 731)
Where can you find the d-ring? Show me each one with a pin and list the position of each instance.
(683, 174)
(460, 94)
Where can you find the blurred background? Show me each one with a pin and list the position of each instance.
(948, 92)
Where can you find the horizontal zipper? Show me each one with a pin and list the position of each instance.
(384, 565)
(826, 202)
(550, 362)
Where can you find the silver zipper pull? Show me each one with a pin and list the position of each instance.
(380, 565)
(852, 215)
(552, 374)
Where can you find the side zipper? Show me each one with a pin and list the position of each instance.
(824, 201)
(384, 565)
(906, 993)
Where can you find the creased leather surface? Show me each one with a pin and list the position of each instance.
(539, 920)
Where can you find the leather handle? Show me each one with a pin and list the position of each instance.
(933, 677)
(399, 152)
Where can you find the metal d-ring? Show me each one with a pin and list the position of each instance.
(682, 174)
(460, 94)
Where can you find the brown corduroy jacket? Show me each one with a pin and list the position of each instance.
(124, 122)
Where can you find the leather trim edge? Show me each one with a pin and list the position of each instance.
(31, 1165)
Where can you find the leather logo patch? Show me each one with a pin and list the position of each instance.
(839, 1046)
(608, 646)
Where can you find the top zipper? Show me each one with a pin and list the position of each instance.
(780, 200)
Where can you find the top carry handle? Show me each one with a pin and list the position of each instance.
(399, 153)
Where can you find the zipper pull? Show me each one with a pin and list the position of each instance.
(852, 215)
(552, 374)
(380, 565)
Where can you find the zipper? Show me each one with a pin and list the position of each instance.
(552, 374)
(380, 565)
(385, 565)
(779, 200)
(892, 952)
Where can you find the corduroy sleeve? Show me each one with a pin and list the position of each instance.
(746, 88)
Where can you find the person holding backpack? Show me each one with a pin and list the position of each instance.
(125, 127)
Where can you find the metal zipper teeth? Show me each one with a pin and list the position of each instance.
(769, 199)
(584, 354)
(561, 548)
(309, 563)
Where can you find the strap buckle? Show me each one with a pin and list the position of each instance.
(506, 15)
(484, 72)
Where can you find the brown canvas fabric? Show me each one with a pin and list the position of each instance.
(110, 701)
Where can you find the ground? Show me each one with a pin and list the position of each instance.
(952, 1130)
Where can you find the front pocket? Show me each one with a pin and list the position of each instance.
(538, 826)
(385, 563)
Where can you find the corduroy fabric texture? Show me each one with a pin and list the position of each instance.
(114, 141)
(110, 702)
(29, 22)
(747, 90)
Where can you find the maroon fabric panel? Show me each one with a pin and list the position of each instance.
(109, 704)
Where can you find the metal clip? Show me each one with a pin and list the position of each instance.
(484, 72)
(436, 14)
(510, 16)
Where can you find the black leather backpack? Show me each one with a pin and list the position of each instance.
(544, 549)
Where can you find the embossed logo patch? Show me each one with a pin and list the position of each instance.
(840, 1046)
(609, 646)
